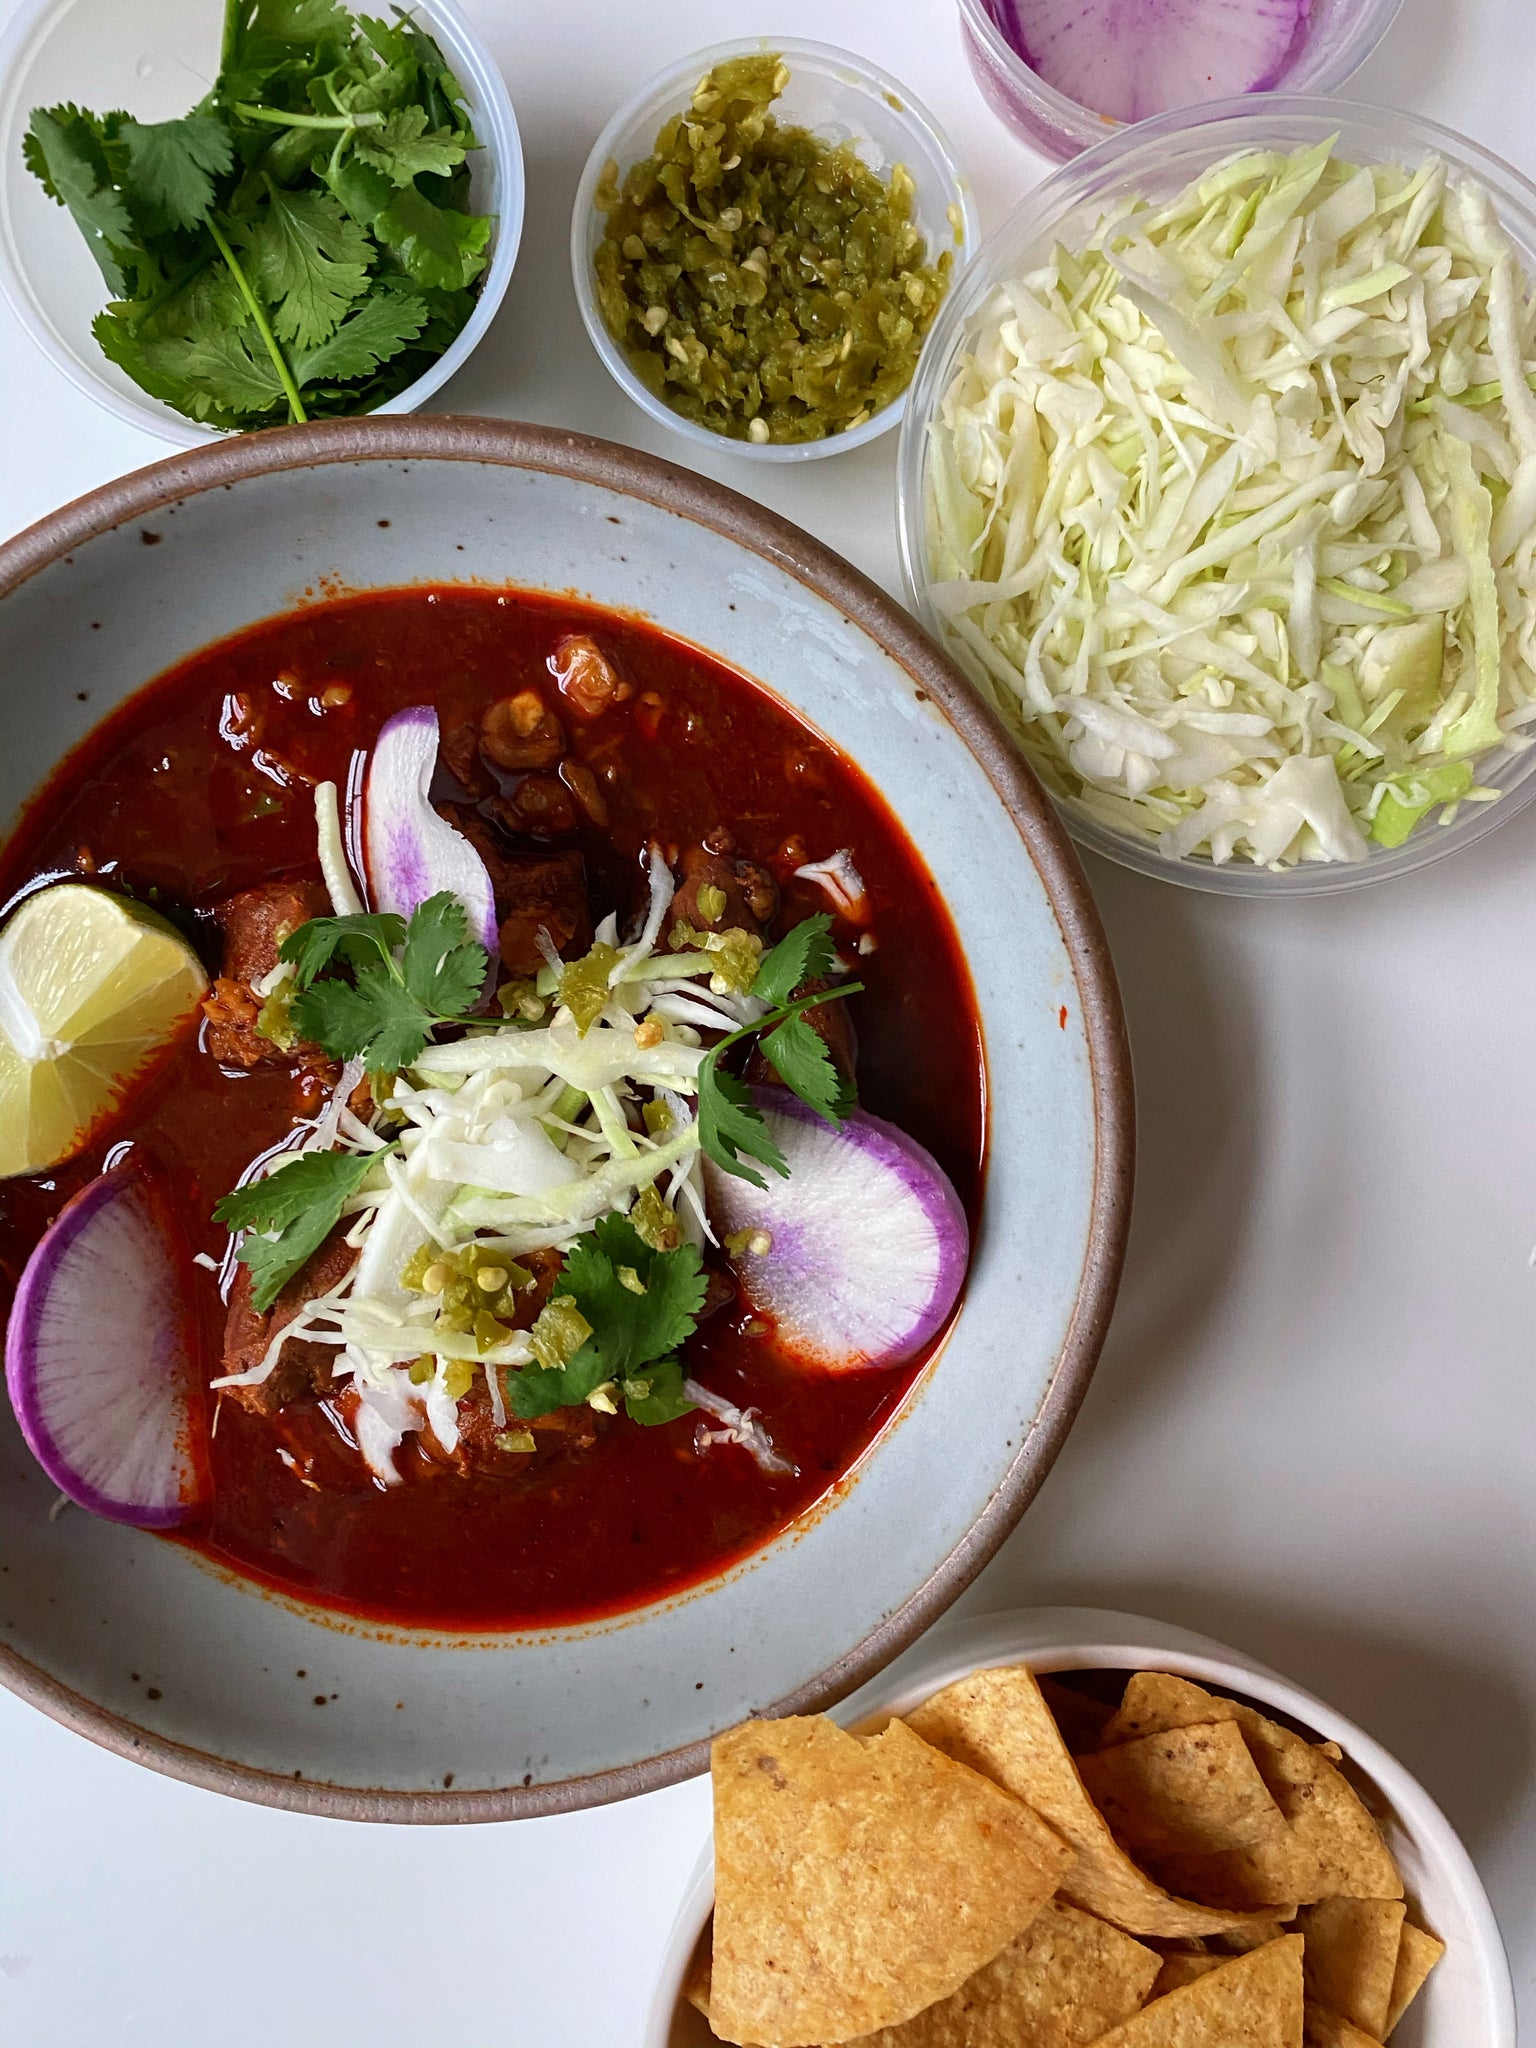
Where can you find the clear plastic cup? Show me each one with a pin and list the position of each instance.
(1158, 158)
(157, 58)
(840, 97)
(1340, 36)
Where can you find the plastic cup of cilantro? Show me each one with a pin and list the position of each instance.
(300, 216)
(722, 333)
(1219, 481)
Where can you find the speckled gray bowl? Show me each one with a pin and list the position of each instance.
(136, 1643)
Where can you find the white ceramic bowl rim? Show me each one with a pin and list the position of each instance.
(515, 446)
(863, 74)
(496, 126)
(1124, 159)
(1067, 1639)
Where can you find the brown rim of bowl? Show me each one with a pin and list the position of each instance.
(607, 466)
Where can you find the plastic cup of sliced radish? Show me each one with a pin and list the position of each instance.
(1093, 66)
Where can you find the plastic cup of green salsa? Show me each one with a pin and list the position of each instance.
(840, 97)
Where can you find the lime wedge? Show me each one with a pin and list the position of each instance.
(92, 990)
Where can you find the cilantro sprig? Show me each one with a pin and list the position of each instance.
(300, 244)
(402, 979)
(634, 1307)
(288, 1214)
(732, 1130)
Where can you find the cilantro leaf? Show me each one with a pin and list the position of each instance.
(539, 1390)
(799, 1055)
(314, 945)
(227, 371)
(403, 147)
(65, 149)
(386, 322)
(805, 954)
(442, 968)
(633, 1325)
(289, 1214)
(362, 190)
(639, 1305)
(149, 368)
(309, 260)
(387, 1012)
(656, 1394)
(439, 248)
(730, 1126)
(375, 1018)
(170, 168)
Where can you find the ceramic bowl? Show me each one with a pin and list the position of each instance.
(158, 57)
(1469, 1996)
(128, 1637)
(837, 95)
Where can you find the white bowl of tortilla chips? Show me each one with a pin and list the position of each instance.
(1014, 1852)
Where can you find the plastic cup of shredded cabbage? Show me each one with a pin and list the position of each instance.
(1206, 564)
(841, 99)
(1335, 40)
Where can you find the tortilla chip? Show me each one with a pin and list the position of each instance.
(1321, 2029)
(1351, 1958)
(1179, 1970)
(858, 1882)
(1334, 1848)
(1081, 1718)
(1417, 1955)
(1155, 1702)
(1065, 1981)
(1190, 1791)
(1237, 1941)
(1253, 2001)
(998, 1723)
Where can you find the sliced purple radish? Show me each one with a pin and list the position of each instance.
(411, 852)
(1133, 58)
(860, 1255)
(99, 1354)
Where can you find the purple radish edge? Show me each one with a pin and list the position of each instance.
(921, 1174)
(423, 717)
(116, 1183)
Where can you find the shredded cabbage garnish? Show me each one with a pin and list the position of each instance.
(1232, 512)
(513, 1140)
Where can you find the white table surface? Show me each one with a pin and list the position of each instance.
(1313, 1432)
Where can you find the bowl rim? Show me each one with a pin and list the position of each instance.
(1051, 1639)
(607, 466)
(1093, 178)
(871, 78)
(486, 89)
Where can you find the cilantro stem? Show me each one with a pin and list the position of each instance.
(781, 1016)
(263, 325)
(328, 121)
(234, 33)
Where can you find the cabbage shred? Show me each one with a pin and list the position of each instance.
(1232, 512)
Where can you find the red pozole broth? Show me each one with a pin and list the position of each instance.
(201, 786)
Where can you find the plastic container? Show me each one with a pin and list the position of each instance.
(1342, 35)
(1469, 1996)
(840, 97)
(157, 58)
(1158, 158)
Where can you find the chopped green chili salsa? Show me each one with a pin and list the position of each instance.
(764, 283)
